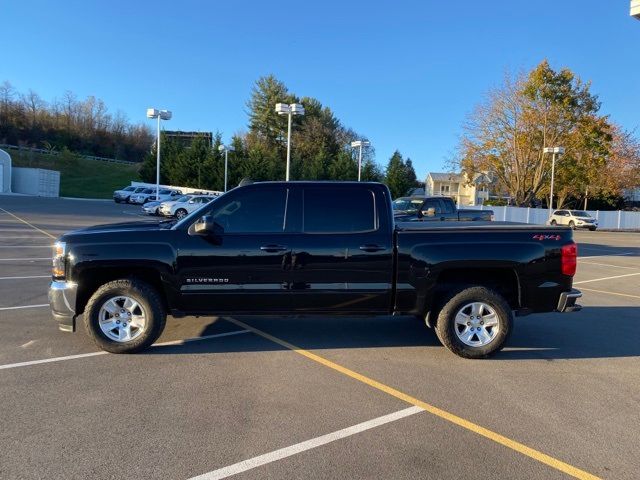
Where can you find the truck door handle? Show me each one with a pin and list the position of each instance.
(273, 248)
(371, 248)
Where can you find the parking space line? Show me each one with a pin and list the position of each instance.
(27, 223)
(438, 412)
(102, 352)
(609, 265)
(610, 293)
(22, 278)
(306, 445)
(606, 278)
(24, 306)
(22, 259)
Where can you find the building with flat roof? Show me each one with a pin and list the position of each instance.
(635, 9)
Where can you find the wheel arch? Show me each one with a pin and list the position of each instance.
(93, 278)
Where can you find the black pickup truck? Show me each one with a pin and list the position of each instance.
(424, 209)
(306, 248)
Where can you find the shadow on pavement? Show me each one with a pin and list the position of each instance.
(594, 332)
(593, 249)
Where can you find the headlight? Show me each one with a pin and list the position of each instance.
(59, 259)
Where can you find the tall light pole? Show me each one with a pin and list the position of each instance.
(160, 115)
(360, 144)
(290, 110)
(226, 149)
(554, 151)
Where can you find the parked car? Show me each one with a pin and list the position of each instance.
(165, 207)
(293, 248)
(124, 194)
(422, 209)
(149, 195)
(573, 218)
(142, 197)
(182, 209)
(151, 208)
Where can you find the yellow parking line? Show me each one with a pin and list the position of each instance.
(610, 293)
(450, 417)
(27, 223)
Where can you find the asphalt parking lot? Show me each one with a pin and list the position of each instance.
(315, 397)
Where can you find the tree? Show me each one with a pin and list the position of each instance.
(507, 133)
(398, 177)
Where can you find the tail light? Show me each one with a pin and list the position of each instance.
(569, 260)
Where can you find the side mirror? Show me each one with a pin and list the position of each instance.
(192, 201)
(207, 226)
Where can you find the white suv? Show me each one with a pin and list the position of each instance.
(574, 219)
(181, 209)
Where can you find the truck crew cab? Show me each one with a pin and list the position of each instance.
(306, 248)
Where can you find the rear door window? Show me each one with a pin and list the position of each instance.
(447, 207)
(338, 210)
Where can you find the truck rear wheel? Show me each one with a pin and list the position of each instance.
(475, 322)
(125, 316)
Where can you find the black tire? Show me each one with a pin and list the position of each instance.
(592, 229)
(446, 326)
(572, 225)
(553, 222)
(181, 213)
(117, 200)
(145, 295)
(157, 212)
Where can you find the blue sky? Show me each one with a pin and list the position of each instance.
(403, 73)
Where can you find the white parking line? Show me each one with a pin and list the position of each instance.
(27, 223)
(22, 259)
(606, 278)
(610, 293)
(95, 354)
(608, 265)
(26, 246)
(22, 278)
(24, 306)
(306, 445)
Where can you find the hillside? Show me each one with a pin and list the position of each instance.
(80, 177)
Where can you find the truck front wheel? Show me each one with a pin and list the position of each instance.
(475, 322)
(125, 316)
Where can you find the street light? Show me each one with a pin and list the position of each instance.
(160, 115)
(554, 151)
(360, 144)
(290, 110)
(226, 149)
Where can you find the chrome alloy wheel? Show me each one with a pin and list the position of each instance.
(122, 319)
(476, 324)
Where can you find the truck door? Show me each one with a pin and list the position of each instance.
(342, 259)
(246, 267)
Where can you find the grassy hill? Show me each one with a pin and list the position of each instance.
(80, 177)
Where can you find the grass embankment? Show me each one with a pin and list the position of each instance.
(80, 177)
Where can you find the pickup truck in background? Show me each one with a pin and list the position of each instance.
(423, 209)
(271, 248)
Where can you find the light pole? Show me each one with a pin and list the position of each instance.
(360, 144)
(554, 151)
(226, 149)
(290, 110)
(160, 115)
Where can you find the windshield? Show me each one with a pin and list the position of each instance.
(128, 189)
(139, 189)
(579, 213)
(407, 204)
(183, 199)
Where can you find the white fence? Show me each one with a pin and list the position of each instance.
(615, 220)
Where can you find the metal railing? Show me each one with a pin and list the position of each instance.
(44, 151)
